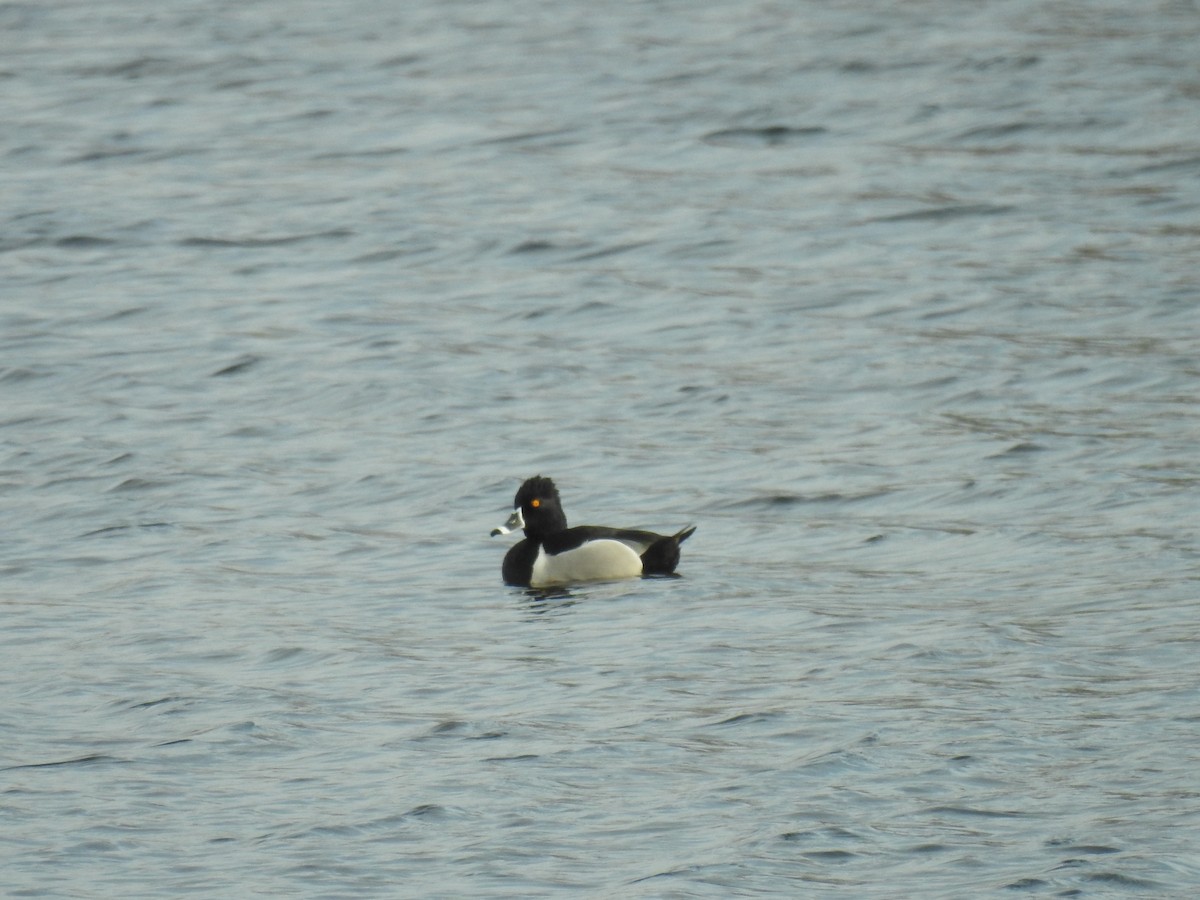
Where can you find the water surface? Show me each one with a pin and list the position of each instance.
(898, 307)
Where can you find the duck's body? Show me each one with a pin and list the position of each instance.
(553, 554)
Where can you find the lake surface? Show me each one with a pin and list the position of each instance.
(899, 305)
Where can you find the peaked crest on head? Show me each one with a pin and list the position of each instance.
(537, 499)
(552, 553)
(535, 488)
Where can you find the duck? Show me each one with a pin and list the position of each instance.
(553, 554)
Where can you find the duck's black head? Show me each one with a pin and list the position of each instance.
(537, 499)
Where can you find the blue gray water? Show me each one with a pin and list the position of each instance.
(898, 304)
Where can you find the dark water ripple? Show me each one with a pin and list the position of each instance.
(899, 306)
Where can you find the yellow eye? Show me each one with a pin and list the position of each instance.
(535, 503)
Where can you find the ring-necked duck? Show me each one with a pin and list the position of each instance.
(552, 553)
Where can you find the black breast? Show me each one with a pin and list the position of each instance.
(518, 563)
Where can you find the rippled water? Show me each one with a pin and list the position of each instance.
(899, 306)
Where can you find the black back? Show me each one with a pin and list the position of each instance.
(546, 525)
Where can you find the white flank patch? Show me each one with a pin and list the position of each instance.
(602, 560)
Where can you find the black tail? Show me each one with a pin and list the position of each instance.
(662, 556)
